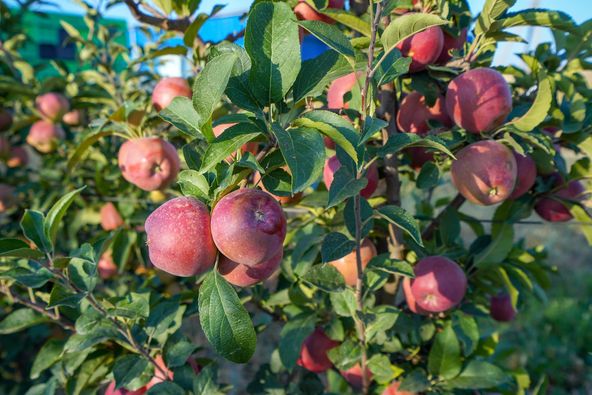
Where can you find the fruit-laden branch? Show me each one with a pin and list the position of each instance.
(177, 25)
(428, 233)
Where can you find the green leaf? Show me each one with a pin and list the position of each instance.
(540, 107)
(408, 25)
(371, 127)
(83, 146)
(479, 375)
(428, 176)
(393, 66)
(47, 355)
(344, 140)
(16, 248)
(83, 273)
(385, 263)
(415, 381)
(166, 388)
(209, 86)
(303, 150)
(133, 305)
(385, 318)
(492, 9)
(239, 88)
(165, 319)
(344, 303)
(132, 372)
(348, 19)
(582, 216)
(325, 277)
(366, 215)
(20, 319)
(498, 249)
(336, 245)
(60, 296)
(444, 358)
(225, 321)
(292, 335)
(33, 226)
(57, 212)
(177, 351)
(555, 20)
(401, 219)
(228, 142)
(400, 141)
(206, 381)
(344, 185)
(382, 369)
(193, 183)
(181, 114)
(271, 40)
(32, 275)
(467, 331)
(330, 35)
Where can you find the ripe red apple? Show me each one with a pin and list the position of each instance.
(52, 106)
(167, 89)
(7, 197)
(18, 157)
(526, 173)
(248, 226)
(479, 100)
(418, 156)
(450, 43)
(484, 172)
(393, 389)
(414, 114)
(353, 376)
(332, 165)
(338, 89)
(245, 276)
(44, 136)
(5, 120)
(159, 377)
(313, 353)
(106, 267)
(179, 237)
(73, 118)
(251, 146)
(110, 218)
(150, 163)
(410, 299)
(423, 48)
(347, 265)
(305, 12)
(122, 391)
(439, 284)
(501, 308)
(551, 208)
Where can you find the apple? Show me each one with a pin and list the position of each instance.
(353, 376)
(423, 48)
(313, 353)
(150, 163)
(245, 276)
(248, 226)
(347, 265)
(393, 389)
(450, 43)
(305, 12)
(418, 156)
(7, 197)
(167, 89)
(332, 165)
(526, 173)
(106, 267)
(5, 120)
(501, 308)
(18, 157)
(550, 207)
(484, 172)
(410, 299)
(179, 237)
(338, 88)
(479, 100)
(439, 284)
(73, 118)
(414, 114)
(44, 136)
(159, 377)
(52, 106)
(110, 218)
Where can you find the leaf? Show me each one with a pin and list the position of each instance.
(57, 212)
(304, 152)
(166, 388)
(239, 88)
(406, 26)
(396, 143)
(366, 215)
(392, 66)
(336, 245)
(415, 381)
(20, 319)
(210, 84)
(337, 135)
(540, 107)
(83, 273)
(292, 335)
(386, 264)
(492, 9)
(371, 127)
(132, 372)
(271, 40)
(444, 357)
(32, 276)
(330, 35)
(47, 355)
(325, 277)
(133, 305)
(193, 183)
(382, 369)
(225, 321)
(83, 146)
(181, 114)
(555, 20)
(498, 249)
(582, 216)
(176, 352)
(228, 142)
(467, 331)
(344, 185)
(344, 303)
(401, 219)
(33, 226)
(60, 296)
(479, 375)
(428, 176)
(16, 248)
(348, 19)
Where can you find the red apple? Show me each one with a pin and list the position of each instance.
(479, 100)
(423, 48)
(150, 163)
(313, 353)
(159, 377)
(418, 156)
(338, 89)
(248, 226)
(305, 12)
(73, 118)
(7, 197)
(332, 165)
(18, 157)
(106, 267)
(5, 120)
(44, 136)
(414, 114)
(393, 389)
(347, 265)
(167, 89)
(501, 308)
(484, 172)
(526, 173)
(411, 303)
(179, 237)
(245, 276)
(450, 43)
(251, 146)
(110, 218)
(52, 106)
(439, 284)
(353, 376)
(551, 209)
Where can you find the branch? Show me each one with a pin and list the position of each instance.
(428, 233)
(177, 25)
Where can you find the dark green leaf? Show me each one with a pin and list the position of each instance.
(371, 127)
(177, 351)
(228, 142)
(400, 141)
(60, 296)
(47, 355)
(479, 375)
(325, 277)
(428, 176)
(346, 141)
(166, 388)
(344, 185)
(83, 273)
(444, 358)
(415, 381)
(20, 319)
(366, 215)
(132, 372)
(16, 248)
(181, 114)
(408, 25)
(330, 35)
(292, 336)
(33, 226)
(467, 331)
(133, 305)
(336, 245)
(386, 264)
(402, 219)
(555, 20)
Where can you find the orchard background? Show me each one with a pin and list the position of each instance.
(393, 215)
